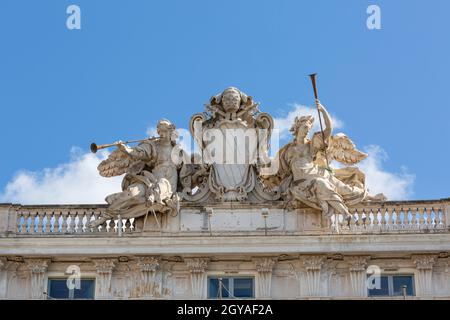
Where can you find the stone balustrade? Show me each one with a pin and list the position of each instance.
(395, 217)
(63, 220)
(387, 217)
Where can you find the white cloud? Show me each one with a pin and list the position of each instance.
(284, 124)
(395, 186)
(152, 132)
(74, 182)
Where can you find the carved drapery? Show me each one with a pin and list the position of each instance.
(197, 268)
(424, 265)
(148, 267)
(264, 266)
(313, 266)
(358, 274)
(104, 268)
(37, 268)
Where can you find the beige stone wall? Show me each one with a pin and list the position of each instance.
(291, 254)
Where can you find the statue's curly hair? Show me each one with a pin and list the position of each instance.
(169, 125)
(298, 122)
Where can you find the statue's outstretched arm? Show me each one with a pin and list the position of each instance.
(327, 131)
(140, 152)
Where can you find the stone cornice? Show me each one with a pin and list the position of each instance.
(254, 245)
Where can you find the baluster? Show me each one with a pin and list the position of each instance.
(410, 218)
(132, 226)
(379, 218)
(47, 220)
(60, 219)
(356, 220)
(31, 217)
(45, 223)
(371, 219)
(433, 218)
(364, 218)
(84, 222)
(333, 222)
(71, 223)
(340, 219)
(386, 219)
(401, 217)
(76, 227)
(20, 222)
(33, 224)
(39, 222)
(440, 218)
(114, 225)
(418, 217)
(64, 222)
(102, 227)
(394, 217)
(96, 216)
(91, 218)
(425, 216)
(109, 226)
(53, 223)
(27, 222)
(127, 225)
(88, 221)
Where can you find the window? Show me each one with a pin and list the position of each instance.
(57, 289)
(231, 287)
(393, 285)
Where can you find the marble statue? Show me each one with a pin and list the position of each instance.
(151, 176)
(304, 176)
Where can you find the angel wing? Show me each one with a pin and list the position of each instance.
(343, 150)
(116, 164)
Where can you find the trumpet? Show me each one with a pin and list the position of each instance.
(95, 147)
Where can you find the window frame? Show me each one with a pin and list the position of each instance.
(390, 281)
(65, 277)
(231, 278)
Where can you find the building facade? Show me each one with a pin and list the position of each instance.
(268, 253)
(232, 225)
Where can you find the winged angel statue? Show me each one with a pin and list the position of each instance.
(304, 174)
(151, 176)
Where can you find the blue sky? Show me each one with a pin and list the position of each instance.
(134, 62)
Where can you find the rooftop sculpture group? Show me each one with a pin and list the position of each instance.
(233, 165)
